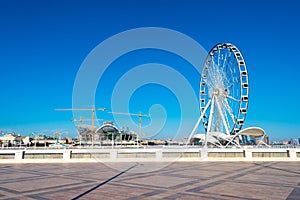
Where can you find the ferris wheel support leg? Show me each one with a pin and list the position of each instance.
(222, 116)
(232, 141)
(197, 123)
(210, 119)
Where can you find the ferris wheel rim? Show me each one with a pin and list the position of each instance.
(243, 85)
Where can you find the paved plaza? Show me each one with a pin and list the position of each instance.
(177, 180)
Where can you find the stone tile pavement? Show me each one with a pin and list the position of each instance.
(177, 180)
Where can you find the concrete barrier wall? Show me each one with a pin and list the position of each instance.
(7, 156)
(43, 156)
(226, 154)
(270, 154)
(159, 154)
(136, 155)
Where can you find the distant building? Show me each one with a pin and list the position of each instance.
(8, 139)
(198, 139)
(27, 140)
(285, 142)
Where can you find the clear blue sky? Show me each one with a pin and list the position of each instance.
(43, 44)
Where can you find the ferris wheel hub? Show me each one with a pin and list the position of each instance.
(218, 92)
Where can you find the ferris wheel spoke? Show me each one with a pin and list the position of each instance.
(229, 110)
(225, 121)
(225, 61)
(211, 77)
(226, 118)
(231, 73)
(231, 68)
(230, 97)
(228, 76)
(218, 57)
(209, 85)
(235, 82)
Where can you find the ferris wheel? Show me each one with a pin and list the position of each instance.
(224, 93)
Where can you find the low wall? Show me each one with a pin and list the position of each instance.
(150, 154)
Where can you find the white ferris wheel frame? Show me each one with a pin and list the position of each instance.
(215, 96)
